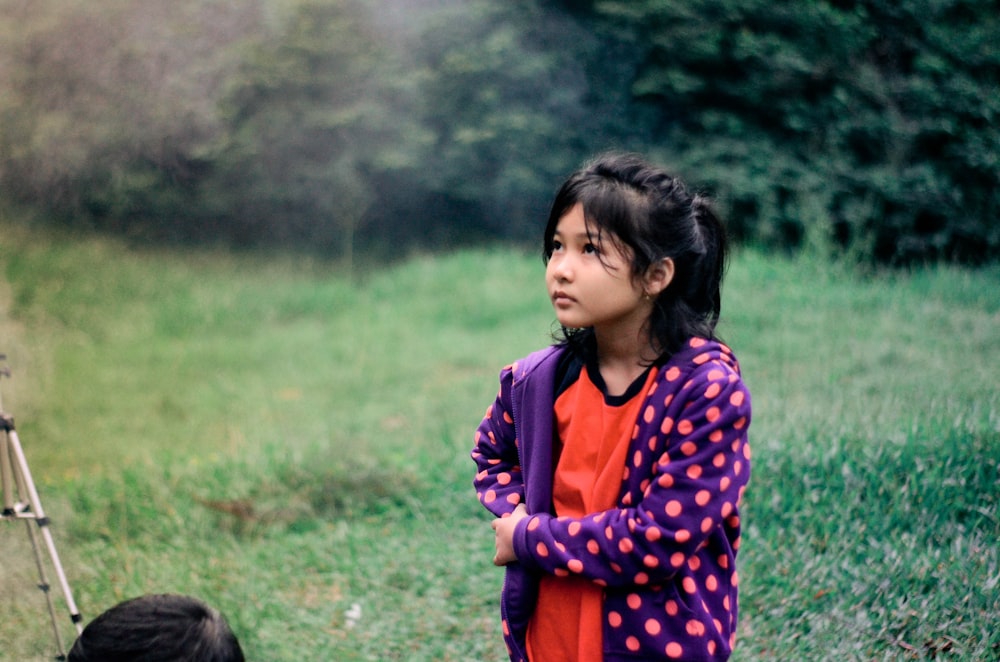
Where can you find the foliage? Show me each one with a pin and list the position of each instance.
(861, 127)
(869, 123)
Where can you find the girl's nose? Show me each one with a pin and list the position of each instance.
(560, 268)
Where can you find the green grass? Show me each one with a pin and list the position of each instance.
(155, 391)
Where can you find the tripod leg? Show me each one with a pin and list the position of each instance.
(45, 588)
(25, 482)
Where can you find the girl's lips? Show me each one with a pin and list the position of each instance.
(561, 298)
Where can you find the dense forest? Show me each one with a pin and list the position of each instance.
(867, 128)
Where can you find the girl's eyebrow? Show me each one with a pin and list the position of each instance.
(580, 236)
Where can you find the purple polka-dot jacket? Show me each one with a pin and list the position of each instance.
(666, 555)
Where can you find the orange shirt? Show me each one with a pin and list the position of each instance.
(595, 431)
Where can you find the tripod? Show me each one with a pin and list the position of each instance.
(17, 484)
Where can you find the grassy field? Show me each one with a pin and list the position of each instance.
(291, 444)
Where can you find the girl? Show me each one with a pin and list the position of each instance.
(615, 459)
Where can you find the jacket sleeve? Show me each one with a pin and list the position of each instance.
(690, 449)
(498, 482)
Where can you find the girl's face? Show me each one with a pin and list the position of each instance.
(591, 284)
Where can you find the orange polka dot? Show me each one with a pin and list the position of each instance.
(653, 626)
(653, 441)
(707, 524)
(575, 565)
(625, 545)
(694, 563)
(513, 498)
(608, 533)
(746, 451)
(653, 534)
(719, 460)
(685, 427)
(560, 572)
(712, 414)
(667, 400)
(667, 425)
(506, 627)
(541, 550)
(694, 471)
(671, 607)
(534, 523)
(650, 561)
(716, 436)
(740, 423)
(674, 508)
(593, 547)
(723, 561)
(727, 508)
(665, 480)
(695, 628)
(490, 496)
(637, 459)
(736, 399)
(724, 484)
(711, 583)
(713, 390)
(561, 547)
(673, 373)
(715, 374)
(682, 535)
(677, 559)
(632, 643)
(503, 478)
(633, 601)
(702, 497)
(507, 418)
(614, 619)
(640, 579)
(573, 528)
(689, 585)
(698, 342)
(674, 650)
(702, 358)
(711, 647)
(689, 448)
(725, 603)
(737, 467)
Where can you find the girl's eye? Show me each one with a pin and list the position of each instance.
(591, 249)
(556, 245)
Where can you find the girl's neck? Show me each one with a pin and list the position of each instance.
(621, 359)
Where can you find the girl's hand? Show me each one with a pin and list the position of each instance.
(504, 528)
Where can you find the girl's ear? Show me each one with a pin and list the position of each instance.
(658, 277)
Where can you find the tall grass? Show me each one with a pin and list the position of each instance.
(287, 441)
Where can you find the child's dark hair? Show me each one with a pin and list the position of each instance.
(651, 215)
(158, 628)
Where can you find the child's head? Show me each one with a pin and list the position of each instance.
(651, 216)
(158, 627)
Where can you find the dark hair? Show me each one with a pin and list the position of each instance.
(641, 208)
(158, 628)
